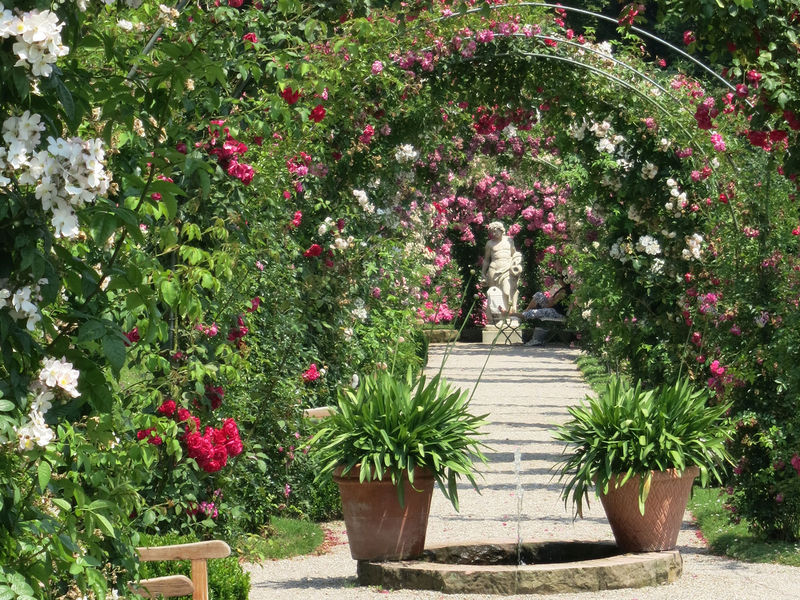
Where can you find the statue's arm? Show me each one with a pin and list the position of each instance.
(487, 258)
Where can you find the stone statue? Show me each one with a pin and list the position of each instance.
(502, 265)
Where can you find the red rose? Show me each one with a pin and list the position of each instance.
(215, 394)
(193, 426)
(254, 304)
(234, 447)
(250, 37)
(778, 135)
(219, 453)
(183, 415)
(235, 3)
(290, 95)
(168, 408)
(231, 429)
(210, 466)
(196, 445)
(314, 250)
(133, 336)
(219, 437)
(757, 138)
(317, 113)
(217, 458)
(791, 119)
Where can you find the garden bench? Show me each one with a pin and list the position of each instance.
(552, 324)
(180, 585)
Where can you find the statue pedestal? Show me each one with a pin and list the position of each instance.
(503, 333)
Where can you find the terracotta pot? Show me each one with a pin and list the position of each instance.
(658, 528)
(378, 528)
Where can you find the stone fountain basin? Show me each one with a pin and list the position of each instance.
(549, 567)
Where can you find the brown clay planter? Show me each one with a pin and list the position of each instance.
(658, 528)
(378, 528)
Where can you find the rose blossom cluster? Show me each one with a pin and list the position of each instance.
(37, 39)
(405, 153)
(694, 247)
(649, 245)
(228, 153)
(55, 374)
(65, 175)
(22, 302)
(363, 201)
(237, 332)
(210, 449)
(207, 509)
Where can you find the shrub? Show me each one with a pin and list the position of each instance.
(766, 478)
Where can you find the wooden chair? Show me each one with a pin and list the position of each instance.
(180, 585)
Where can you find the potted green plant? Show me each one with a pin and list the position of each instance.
(641, 450)
(386, 443)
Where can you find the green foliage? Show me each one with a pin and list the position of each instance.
(631, 431)
(710, 508)
(226, 578)
(392, 425)
(177, 247)
(593, 371)
(766, 478)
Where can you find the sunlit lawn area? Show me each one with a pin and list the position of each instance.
(734, 540)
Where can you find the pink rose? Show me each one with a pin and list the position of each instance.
(311, 374)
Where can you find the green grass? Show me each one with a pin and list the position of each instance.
(285, 538)
(734, 540)
(595, 374)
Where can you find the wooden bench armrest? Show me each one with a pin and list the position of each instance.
(169, 587)
(179, 585)
(319, 413)
(193, 551)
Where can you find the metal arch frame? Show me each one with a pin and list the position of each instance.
(588, 67)
(582, 11)
(600, 72)
(641, 32)
(581, 46)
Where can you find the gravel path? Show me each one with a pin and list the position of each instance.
(526, 392)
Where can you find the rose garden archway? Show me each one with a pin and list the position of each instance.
(610, 168)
